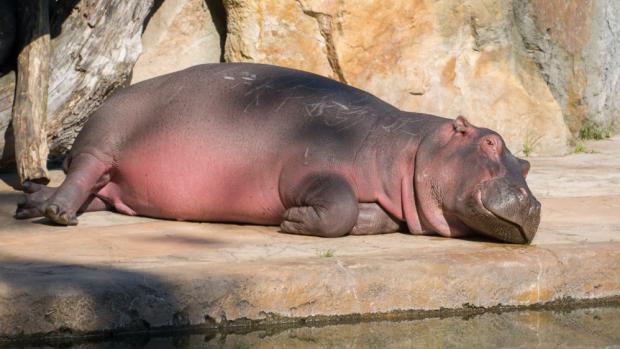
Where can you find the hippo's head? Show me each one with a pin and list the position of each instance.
(468, 181)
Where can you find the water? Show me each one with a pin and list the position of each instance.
(581, 328)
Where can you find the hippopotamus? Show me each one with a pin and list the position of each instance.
(260, 144)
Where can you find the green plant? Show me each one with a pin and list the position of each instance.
(327, 253)
(590, 130)
(527, 149)
(529, 144)
(581, 148)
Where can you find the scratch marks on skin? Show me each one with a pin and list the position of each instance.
(315, 109)
(286, 100)
(341, 105)
(256, 91)
(258, 88)
(245, 78)
(254, 103)
(401, 125)
(306, 153)
(338, 114)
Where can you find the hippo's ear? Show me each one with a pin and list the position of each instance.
(461, 124)
(525, 166)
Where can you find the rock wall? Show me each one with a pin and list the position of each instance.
(576, 45)
(442, 57)
(179, 34)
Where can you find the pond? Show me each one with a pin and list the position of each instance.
(580, 328)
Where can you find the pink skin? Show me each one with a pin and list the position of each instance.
(309, 154)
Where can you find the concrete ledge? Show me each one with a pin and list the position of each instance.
(40, 296)
(114, 272)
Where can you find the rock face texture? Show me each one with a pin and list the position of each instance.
(532, 70)
(576, 45)
(180, 34)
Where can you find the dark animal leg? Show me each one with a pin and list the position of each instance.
(372, 219)
(32, 203)
(325, 206)
(86, 175)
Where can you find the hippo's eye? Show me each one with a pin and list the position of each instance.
(490, 142)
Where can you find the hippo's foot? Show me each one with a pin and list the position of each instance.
(309, 220)
(34, 201)
(86, 174)
(373, 219)
(327, 207)
(60, 216)
(38, 201)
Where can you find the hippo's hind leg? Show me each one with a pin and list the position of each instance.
(324, 205)
(33, 203)
(85, 176)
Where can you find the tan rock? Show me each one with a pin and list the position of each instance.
(180, 34)
(276, 32)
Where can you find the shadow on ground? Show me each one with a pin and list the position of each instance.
(81, 297)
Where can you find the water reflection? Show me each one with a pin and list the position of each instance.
(582, 328)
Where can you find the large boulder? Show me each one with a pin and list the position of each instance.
(576, 45)
(180, 34)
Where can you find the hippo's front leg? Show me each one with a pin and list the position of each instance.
(373, 219)
(324, 205)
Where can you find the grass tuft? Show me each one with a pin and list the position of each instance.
(327, 253)
(580, 148)
(590, 130)
(529, 144)
(527, 149)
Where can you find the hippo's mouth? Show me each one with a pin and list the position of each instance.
(516, 226)
(491, 222)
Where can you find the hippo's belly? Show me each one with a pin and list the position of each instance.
(185, 177)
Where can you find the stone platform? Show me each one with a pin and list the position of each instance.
(114, 272)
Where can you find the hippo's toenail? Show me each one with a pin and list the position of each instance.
(51, 210)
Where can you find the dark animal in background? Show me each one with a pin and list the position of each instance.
(8, 30)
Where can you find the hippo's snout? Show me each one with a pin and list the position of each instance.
(515, 212)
